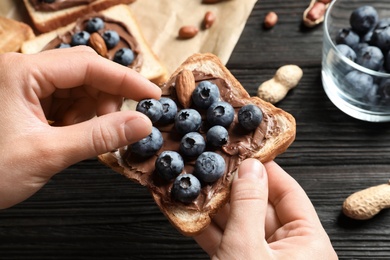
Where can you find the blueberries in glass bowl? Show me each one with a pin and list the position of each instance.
(366, 41)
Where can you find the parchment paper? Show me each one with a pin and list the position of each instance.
(160, 21)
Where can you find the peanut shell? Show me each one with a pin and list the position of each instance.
(366, 203)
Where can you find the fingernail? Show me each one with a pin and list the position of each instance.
(137, 128)
(250, 169)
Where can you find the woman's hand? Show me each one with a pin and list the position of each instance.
(70, 87)
(269, 217)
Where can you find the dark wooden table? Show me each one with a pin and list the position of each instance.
(90, 212)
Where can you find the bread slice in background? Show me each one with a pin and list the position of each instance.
(12, 34)
(46, 21)
(278, 130)
(152, 68)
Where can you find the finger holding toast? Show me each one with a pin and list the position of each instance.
(295, 230)
(67, 88)
(92, 71)
(269, 137)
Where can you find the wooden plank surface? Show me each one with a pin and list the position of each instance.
(90, 212)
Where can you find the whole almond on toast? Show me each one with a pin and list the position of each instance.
(271, 137)
(97, 43)
(185, 85)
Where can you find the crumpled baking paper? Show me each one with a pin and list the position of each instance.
(160, 21)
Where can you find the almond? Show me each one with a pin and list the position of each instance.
(270, 20)
(97, 43)
(208, 20)
(188, 31)
(185, 85)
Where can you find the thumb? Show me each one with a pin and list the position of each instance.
(249, 200)
(99, 135)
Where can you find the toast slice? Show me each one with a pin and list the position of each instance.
(271, 138)
(46, 21)
(151, 67)
(12, 34)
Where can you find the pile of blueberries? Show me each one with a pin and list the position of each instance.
(123, 56)
(209, 165)
(367, 43)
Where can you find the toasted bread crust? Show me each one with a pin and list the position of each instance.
(12, 34)
(49, 21)
(191, 221)
(283, 134)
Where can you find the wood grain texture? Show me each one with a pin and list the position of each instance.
(90, 212)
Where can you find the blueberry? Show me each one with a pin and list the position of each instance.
(169, 164)
(152, 108)
(381, 39)
(370, 57)
(187, 120)
(80, 38)
(347, 51)
(124, 56)
(63, 45)
(111, 38)
(359, 83)
(387, 62)
(360, 46)
(250, 116)
(220, 113)
(94, 24)
(383, 23)
(149, 145)
(217, 136)
(209, 167)
(348, 37)
(384, 88)
(192, 144)
(205, 94)
(186, 188)
(366, 38)
(169, 110)
(372, 96)
(363, 19)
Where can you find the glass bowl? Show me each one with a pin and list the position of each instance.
(355, 89)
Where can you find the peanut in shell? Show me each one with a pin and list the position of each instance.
(365, 204)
